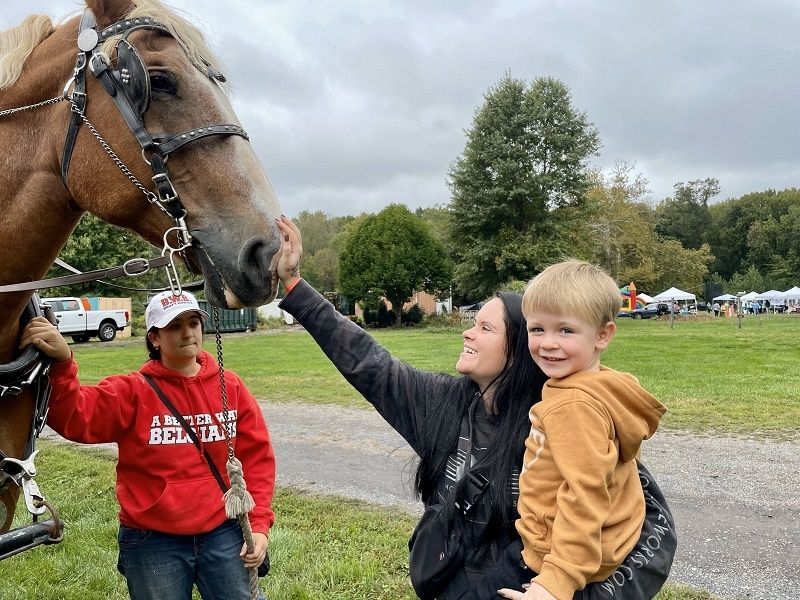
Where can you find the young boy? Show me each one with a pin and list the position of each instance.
(581, 504)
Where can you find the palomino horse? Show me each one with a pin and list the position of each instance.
(98, 145)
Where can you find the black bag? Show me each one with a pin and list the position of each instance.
(263, 568)
(436, 549)
(436, 552)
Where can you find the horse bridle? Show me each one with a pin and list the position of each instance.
(129, 87)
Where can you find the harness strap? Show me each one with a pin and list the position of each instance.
(78, 98)
(135, 266)
(169, 143)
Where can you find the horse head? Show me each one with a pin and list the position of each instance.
(229, 203)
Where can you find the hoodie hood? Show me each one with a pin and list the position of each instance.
(634, 412)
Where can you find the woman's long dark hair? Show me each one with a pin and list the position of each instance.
(516, 389)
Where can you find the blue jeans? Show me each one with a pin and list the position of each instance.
(162, 566)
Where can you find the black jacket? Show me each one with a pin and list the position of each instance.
(404, 397)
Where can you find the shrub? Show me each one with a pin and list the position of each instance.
(412, 316)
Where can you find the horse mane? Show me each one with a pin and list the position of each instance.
(188, 36)
(16, 45)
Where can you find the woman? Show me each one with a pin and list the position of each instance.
(174, 533)
(475, 424)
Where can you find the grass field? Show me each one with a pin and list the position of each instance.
(710, 374)
(321, 547)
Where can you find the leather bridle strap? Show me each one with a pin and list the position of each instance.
(157, 147)
(78, 99)
(135, 266)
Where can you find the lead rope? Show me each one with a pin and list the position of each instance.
(238, 501)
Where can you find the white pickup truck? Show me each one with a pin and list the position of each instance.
(81, 324)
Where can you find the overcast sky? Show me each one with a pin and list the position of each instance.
(352, 105)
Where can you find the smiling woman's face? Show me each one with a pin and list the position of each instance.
(484, 355)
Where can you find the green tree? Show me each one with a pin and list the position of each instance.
(616, 229)
(686, 217)
(735, 243)
(319, 263)
(392, 254)
(522, 171)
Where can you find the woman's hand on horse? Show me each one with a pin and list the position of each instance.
(45, 337)
(534, 592)
(253, 559)
(290, 252)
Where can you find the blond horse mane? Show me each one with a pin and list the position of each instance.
(16, 45)
(189, 37)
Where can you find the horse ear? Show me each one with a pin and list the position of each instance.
(109, 11)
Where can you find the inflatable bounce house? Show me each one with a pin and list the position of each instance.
(629, 299)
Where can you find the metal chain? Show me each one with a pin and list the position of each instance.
(151, 197)
(223, 390)
(11, 111)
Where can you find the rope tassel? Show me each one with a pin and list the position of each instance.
(238, 500)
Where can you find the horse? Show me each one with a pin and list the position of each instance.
(81, 105)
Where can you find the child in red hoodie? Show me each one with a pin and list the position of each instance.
(174, 532)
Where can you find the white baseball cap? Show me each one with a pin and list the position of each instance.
(165, 306)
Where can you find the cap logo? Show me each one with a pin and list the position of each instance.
(169, 301)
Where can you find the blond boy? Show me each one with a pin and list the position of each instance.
(581, 504)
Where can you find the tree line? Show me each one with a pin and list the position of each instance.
(525, 195)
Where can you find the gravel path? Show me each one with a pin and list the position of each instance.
(735, 500)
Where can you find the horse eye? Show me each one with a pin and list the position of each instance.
(163, 83)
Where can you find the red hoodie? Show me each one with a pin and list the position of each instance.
(163, 482)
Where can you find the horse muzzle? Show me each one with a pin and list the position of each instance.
(234, 280)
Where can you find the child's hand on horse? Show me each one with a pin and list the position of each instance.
(45, 337)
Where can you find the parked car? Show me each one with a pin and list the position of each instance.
(651, 310)
(75, 320)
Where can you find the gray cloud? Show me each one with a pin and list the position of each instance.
(357, 104)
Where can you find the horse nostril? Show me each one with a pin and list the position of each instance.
(254, 259)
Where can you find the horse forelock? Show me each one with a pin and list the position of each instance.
(188, 36)
(16, 45)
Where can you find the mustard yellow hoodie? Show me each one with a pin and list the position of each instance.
(581, 504)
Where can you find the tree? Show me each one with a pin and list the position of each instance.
(319, 263)
(523, 163)
(392, 254)
(686, 217)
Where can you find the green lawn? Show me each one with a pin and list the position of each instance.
(710, 374)
(321, 547)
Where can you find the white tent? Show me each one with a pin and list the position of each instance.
(750, 297)
(792, 294)
(724, 298)
(673, 294)
(648, 299)
(772, 295)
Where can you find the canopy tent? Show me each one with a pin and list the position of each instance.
(791, 294)
(724, 298)
(772, 295)
(750, 297)
(673, 293)
(649, 299)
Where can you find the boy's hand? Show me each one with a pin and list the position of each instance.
(45, 337)
(534, 592)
